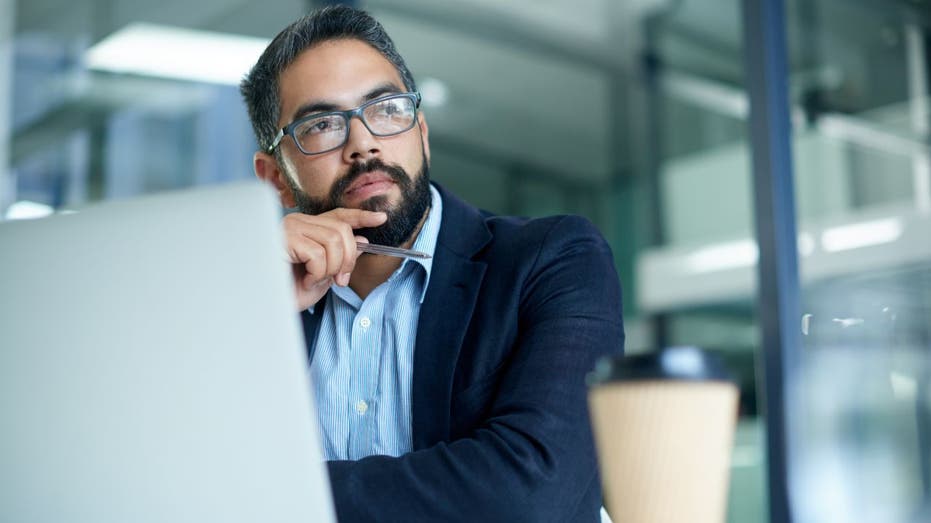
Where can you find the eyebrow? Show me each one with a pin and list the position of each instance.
(324, 106)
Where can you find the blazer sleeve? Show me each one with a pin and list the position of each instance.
(532, 458)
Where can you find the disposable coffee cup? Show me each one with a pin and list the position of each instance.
(664, 428)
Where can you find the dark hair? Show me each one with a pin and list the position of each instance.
(260, 87)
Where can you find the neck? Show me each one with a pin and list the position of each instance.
(373, 269)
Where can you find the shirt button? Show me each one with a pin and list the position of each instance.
(365, 322)
(362, 407)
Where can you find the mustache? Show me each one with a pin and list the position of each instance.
(397, 174)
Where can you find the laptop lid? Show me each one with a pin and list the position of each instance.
(152, 367)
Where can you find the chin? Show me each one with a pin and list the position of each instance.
(380, 203)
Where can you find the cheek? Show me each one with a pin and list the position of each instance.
(414, 156)
(316, 176)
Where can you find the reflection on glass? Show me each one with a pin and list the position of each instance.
(860, 433)
(859, 410)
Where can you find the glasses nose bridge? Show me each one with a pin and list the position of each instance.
(358, 112)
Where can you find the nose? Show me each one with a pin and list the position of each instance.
(361, 145)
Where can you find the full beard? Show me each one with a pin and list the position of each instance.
(403, 218)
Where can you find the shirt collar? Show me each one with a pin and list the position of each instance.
(426, 240)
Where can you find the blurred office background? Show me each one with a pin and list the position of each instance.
(633, 113)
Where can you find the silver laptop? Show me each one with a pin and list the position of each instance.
(152, 367)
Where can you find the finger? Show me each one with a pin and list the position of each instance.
(349, 246)
(358, 239)
(311, 293)
(342, 279)
(357, 218)
(310, 284)
(307, 234)
(349, 252)
(335, 245)
(302, 233)
(309, 254)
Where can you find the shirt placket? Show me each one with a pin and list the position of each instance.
(365, 352)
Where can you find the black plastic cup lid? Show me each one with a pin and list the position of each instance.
(674, 363)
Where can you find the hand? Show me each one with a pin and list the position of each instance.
(322, 249)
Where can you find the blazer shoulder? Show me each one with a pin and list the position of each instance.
(554, 231)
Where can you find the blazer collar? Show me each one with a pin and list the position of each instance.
(463, 230)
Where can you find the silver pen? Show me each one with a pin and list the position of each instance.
(373, 248)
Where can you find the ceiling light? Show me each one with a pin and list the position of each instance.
(435, 93)
(863, 234)
(176, 53)
(731, 255)
(806, 244)
(904, 387)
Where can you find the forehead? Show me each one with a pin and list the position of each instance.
(340, 72)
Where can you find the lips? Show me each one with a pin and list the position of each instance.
(368, 185)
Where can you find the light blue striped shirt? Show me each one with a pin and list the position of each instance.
(364, 357)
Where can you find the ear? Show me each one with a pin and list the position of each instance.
(424, 135)
(267, 169)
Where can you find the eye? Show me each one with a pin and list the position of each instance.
(393, 108)
(390, 108)
(322, 125)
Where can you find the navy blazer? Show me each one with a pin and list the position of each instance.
(516, 313)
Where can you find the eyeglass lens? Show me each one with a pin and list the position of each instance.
(383, 118)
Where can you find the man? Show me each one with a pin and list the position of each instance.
(448, 389)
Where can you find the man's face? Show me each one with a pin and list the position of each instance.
(369, 172)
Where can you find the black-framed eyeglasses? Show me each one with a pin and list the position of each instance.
(323, 132)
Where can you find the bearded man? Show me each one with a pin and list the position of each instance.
(449, 388)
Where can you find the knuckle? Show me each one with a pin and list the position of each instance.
(346, 230)
(314, 252)
(292, 218)
(333, 239)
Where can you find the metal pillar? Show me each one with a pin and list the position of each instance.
(778, 308)
(7, 183)
(916, 55)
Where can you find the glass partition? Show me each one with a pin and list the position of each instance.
(860, 414)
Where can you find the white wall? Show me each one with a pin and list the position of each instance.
(708, 196)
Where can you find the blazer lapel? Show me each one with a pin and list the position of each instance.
(446, 312)
(311, 324)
